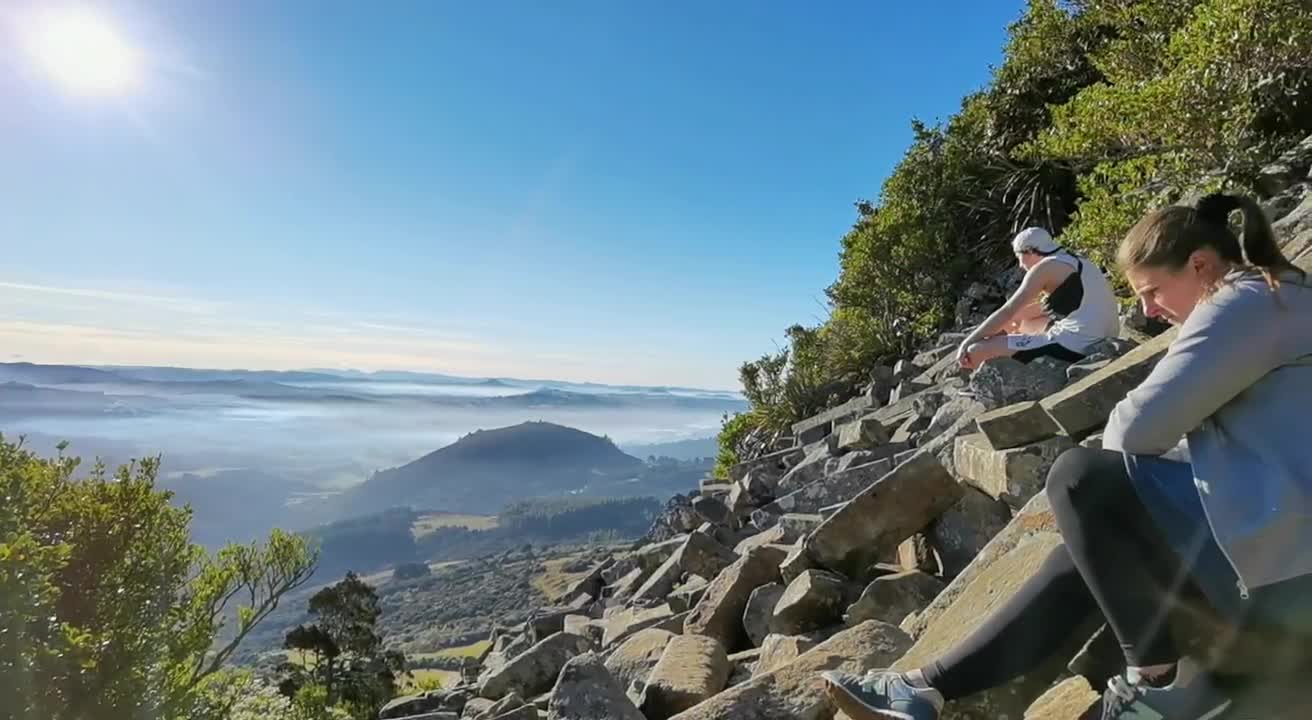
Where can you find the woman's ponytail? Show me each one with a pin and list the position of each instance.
(1256, 246)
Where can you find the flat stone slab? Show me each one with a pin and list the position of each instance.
(1085, 404)
(1016, 425)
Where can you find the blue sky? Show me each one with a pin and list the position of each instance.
(588, 190)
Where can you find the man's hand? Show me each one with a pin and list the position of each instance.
(964, 357)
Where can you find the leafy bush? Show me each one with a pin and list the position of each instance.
(107, 609)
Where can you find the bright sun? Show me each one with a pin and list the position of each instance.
(83, 52)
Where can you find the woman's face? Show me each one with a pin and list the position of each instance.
(1172, 293)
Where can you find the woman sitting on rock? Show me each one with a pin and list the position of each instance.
(1229, 531)
(1063, 306)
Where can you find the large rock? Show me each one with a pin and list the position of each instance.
(633, 660)
(1070, 699)
(590, 584)
(688, 594)
(719, 614)
(779, 650)
(626, 622)
(699, 555)
(958, 535)
(818, 426)
(1004, 381)
(692, 669)
(872, 525)
(586, 691)
(1033, 519)
(1016, 425)
(949, 413)
(812, 601)
(408, 705)
(892, 598)
(522, 712)
(864, 433)
(832, 488)
(533, 671)
(989, 590)
(759, 614)
(677, 517)
(711, 509)
(504, 706)
(774, 464)
(1012, 476)
(743, 666)
(796, 525)
(1085, 405)
(795, 562)
(791, 692)
(810, 469)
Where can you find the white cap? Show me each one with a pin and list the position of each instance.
(1034, 238)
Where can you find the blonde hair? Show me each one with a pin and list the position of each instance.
(1168, 236)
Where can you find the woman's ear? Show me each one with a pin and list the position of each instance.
(1201, 262)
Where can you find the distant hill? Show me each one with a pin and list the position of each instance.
(484, 470)
(677, 449)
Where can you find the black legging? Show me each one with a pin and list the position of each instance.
(1114, 560)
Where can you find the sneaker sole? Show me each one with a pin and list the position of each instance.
(856, 709)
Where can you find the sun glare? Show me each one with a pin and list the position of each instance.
(83, 52)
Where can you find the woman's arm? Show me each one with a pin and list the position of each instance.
(1227, 344)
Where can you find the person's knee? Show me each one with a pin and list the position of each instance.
(1072, 469)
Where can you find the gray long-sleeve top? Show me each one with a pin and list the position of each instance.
(1237, 383)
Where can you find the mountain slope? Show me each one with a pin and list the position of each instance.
(484, 470)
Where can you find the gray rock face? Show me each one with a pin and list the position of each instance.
(1016, 425)
(949, 413)
(892, 598)
(408, 705)
(759, 613)
(791, 692)
(864, 433)
(586, 691)
(627, 621)
(809, 470)
(1005, 381)
(774, 464)
(688, 594)
(692, 669)
(815, 599)
(677, 517)
(779, 650)
(1012, 476)
(533, 671)
(720, 612)
(833, 488)
(872, 525)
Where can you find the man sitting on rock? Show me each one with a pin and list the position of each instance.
(1063, 305)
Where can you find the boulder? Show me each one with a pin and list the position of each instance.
(699, 555)
(590, 584)
(628, 621)
(909, 430)
(633, 660)
(795, 562)
(815, 599)
(719, 613)
(692, 669)
(809, 470)
(759, 614)
(832, 488)
(711, 509)
(677, 517)
(534, 670)
(545, 622)
(796, 525)
(1012, 476)
(687, 594)
(770, 535)
(791, 692)
(1086, 404)
(586, 691)
(624, 588)
(1070, 699)
(915, 553)
(408, 705)
(779, 650)
(650, 556)
(1005, 381)
(864, 433)
(505, 705)
(476, 707)
(892, 598)
(1033, 519)
(957, 536)
(1017, 425)
(872, 525)
(743, 666)
(818, 426)
(949, 413)
(522, 712)
(985, 594)
(774, 464)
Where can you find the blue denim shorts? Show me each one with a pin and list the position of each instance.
(1167, 490)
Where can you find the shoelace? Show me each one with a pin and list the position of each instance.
(1122, 693)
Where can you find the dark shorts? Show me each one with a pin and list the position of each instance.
(1052, 350)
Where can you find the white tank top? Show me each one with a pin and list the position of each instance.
(1097, 316)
